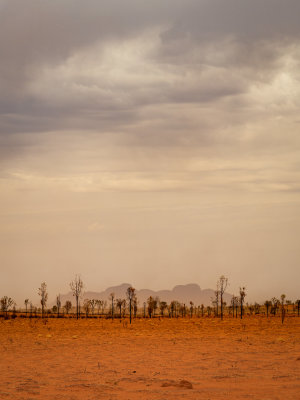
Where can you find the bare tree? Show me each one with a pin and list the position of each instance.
(162, 305)
(183, 310)
(221, 287)
(217, 296)
(191, 309)
(135, 305)
(298, 306)
(14, 315)
(202, 310)
(58, 304)
(100, 305)
(86, 306)
(68, 306)
(283, 296)
(172, 308)
(242, 297)
(150, 306)
(232, 303)
(120, 303)
(76, 287)
(155, 304)
(112, 297)
(93, 303)
(26, 304)
(31, 309)
(6, 303)
(267, 304)
(44, 296)
(275, 305)
(208, 308)
(130, 296)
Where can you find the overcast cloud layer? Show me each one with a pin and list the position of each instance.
(150, 142)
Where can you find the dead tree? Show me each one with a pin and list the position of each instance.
(242, 298)
(202, 310)
(44, 296)
(86, 307)
(76, 287)
(233, 304)
(99, 305)
(58, 304)
(131, 297)
(120, 304)
(169, 310)
(26, 304)
(155, 304)
(275, 305)
(31, 309)
(267, 304)
(191, 309)
(221, 287)
(93, 303)
(135, 306)
(217, 296)
(298, 306)
(162, 306)
(6, 303)
(104, 304)
(150, 306)
(283, 296)
(68, 306)
(172, 308)
(112, 298)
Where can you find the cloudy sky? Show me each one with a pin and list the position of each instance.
(150, 142)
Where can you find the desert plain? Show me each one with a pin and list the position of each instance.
(161, 358)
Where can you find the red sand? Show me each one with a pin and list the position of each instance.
(257, 358)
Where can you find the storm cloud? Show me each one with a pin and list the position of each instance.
(192, 103)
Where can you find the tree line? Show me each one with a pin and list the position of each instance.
(128, 306)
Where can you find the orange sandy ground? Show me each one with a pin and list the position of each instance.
(257, 358)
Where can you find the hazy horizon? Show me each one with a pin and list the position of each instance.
(155, 143)
(33, 296)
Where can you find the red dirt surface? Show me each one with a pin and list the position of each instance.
(256, 358)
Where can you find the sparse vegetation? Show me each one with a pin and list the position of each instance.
(58, 304)
(222, 285)
(6, 303)
(76, 287)
(242, 298)
(44, 297)
(68, 306)
(283, 296)
(97, 308)
(112, 298)
(26, 304)
(131, 297)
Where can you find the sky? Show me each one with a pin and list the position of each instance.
(150, 142)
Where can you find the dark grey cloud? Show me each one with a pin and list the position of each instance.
(207, 50)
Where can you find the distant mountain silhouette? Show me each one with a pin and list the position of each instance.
(182, 293)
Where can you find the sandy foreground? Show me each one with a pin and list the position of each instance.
(198, 358)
